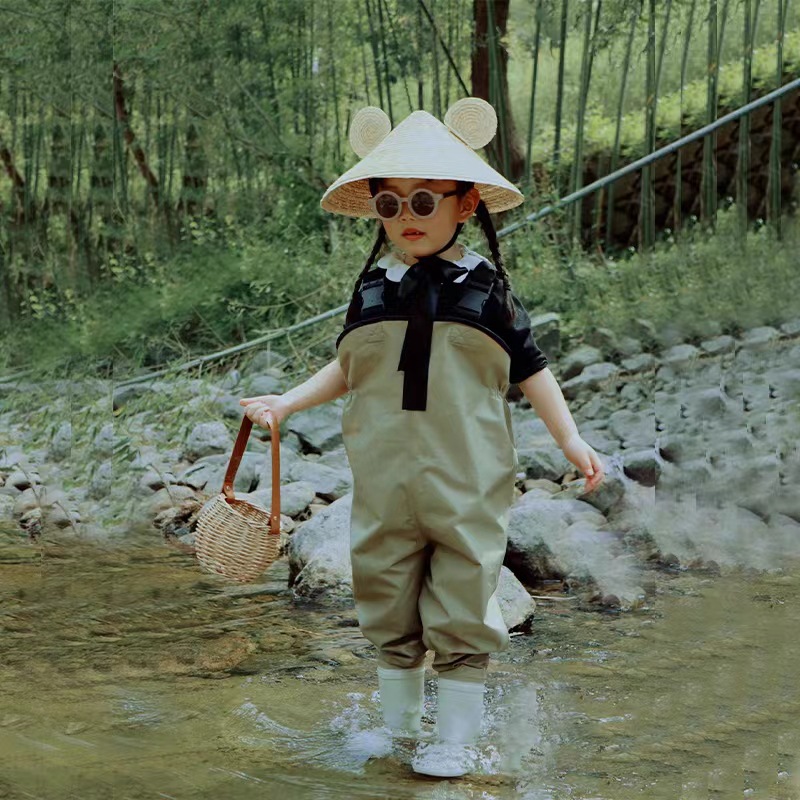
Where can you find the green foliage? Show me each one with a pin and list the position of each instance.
(695, 286)
(211, 297)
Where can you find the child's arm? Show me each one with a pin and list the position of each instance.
(545, 395)
(326, 384)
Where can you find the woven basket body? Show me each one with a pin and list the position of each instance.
(234, 538)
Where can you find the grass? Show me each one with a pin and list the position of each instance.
(211, 298)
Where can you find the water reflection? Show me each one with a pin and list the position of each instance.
(127, 672)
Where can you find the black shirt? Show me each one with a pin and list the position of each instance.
(514, 336)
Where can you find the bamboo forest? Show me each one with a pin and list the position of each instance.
(400, 399)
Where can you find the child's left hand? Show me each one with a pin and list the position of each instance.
(585, 459)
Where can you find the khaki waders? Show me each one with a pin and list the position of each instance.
(431, 493)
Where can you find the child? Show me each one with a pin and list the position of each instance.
(432, 340)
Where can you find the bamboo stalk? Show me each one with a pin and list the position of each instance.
(447, 75)
(560, 95)
(677, 212)
(375, 58)
(495, 89)
(774, 183)
(743, 166)
(437, 86)
(709, 190)
(576, 168)
(335, 87)
(393, 33)
(387, 82)
(528, 178)
(647, 204)
(420, 84)
(618, 132)
(361, 39)
(268, 57)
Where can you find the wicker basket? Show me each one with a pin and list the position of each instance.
(234, 538)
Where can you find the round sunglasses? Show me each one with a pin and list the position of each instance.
(421, 202)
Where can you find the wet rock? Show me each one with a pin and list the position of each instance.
(102, 480)
(635, 429)
(319, 554)
(167, 498)
(178, 520)
(208, 473)
(330, 483)
(680, 355)
(124, 394)
(61, 443)
(336, 458)
(610, 601)
(231, 379)
(266, 360)
(757, 339)
(593, 378)
(642, 467)
(516, 605)
(718, 345)
(207, 438)
(574, 362)
(295, 497)
(642, 362)
(260, 385)
(12, 456)
(23, 479)
(319, 428)
(38, 497)
(535, 524)
(790, 327)
(613, 345)
(543, 462)
(103, 442)
(541, 485)
(153, 480)
(63, 516)
(6, 506)
(547, 331)
(606, 496)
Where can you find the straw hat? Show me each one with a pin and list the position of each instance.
(421, 147)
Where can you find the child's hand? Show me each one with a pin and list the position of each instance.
(585, 459)
(261, 409)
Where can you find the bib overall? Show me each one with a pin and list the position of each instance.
(431, 493)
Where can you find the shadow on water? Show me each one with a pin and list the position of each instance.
(126, 672)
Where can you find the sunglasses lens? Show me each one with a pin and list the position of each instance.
(422, 203)
(386, 205)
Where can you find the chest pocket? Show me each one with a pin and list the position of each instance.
(360, 351)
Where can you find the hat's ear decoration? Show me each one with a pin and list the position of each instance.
(473, 120)
(368, 128)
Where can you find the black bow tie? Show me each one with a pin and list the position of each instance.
(420, 287)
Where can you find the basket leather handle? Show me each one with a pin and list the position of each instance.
(236, 458)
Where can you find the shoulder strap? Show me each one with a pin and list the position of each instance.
(371, 291)
(476, 288)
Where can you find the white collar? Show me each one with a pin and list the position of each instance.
(395, 268)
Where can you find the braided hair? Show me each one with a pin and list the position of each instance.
(482, 213)
(485, 220)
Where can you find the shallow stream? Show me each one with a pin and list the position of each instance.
(126, 672)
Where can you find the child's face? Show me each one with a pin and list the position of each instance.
(437, 229)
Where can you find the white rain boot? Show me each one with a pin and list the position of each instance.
(402, 697)
(458, 727)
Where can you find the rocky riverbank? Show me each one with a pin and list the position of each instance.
(699, 443)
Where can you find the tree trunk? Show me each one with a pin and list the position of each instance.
(481, 79)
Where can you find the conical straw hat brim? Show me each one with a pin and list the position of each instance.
(419, 147)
